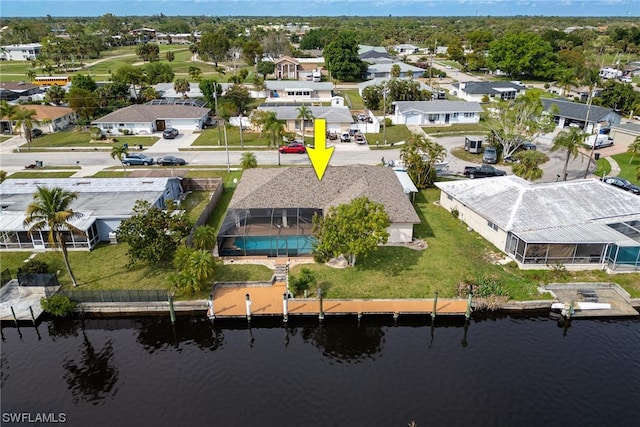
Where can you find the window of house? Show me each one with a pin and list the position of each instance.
(492, 226)
(469, 114)
(455, 115)
(433, 117)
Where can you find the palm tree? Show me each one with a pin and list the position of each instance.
(304, 114)
(571, 142)
(31, 74)
(566, 80)
(9, 111)
(118, 152)
(204, 237)
(529, 166)
(591, 79)
(181, 86)
(51, 211)
(25, 119)
(194, 73)
(55, 95)
(274, 127)
(248, 160)
(634, 148)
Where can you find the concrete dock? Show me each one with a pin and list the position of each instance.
(20, 298)
(620, 300)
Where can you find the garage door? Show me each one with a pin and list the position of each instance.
(413, 119)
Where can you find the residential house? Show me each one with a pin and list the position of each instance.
(586, 117)
(438, 112)
(271, 211)
(281, 91)
(580, 224)
(406, 49)
(11, 91)
(148, 118)
(625, 134)
(383, 80)
(103, 202)
(492, 91)
(338, 118)
(287, 68)
(183, 38)
(374, 54)
(48, 118)
(20, 52)
(384, 70)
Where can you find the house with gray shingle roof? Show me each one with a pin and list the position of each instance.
(271, 210)
(439, 112)
(147, 119)
(384, 70)
(338, 118)
(584, 116)
(494, 91)
(581, 224)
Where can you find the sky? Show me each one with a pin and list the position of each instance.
(35, 8)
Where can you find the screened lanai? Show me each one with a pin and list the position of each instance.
(267, 232)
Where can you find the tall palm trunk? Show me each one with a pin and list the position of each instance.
(566, 165)
(65, 255)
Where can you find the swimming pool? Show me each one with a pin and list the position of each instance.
(272, 245)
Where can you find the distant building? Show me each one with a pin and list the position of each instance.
(494, 91)
(20, 52)
(436, 112)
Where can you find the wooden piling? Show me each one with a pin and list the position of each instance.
(248, 306)
(172, 312)
(211, 314)
(15, 319)
(435, 306)
(33, 317)
(320, 311)
(285, 307)
(467, 313)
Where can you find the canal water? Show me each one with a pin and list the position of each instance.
(503, 371)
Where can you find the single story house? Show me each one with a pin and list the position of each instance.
(384, 70)
(104, 203)
(439, 112)
(581, 224)
(20, 52)
(338, 118)
(280, 91)
(147, 119)
(624, 134)
(406, 49)
(383, 80)
(577, 93)
(49, 118)
(11, 91)
(494, 91)
(374, 54)
(271, 210)
(584, 116)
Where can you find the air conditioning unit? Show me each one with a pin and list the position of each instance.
(113, 238)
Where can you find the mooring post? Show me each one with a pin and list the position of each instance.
(15, 319)
(172, 312)
(211, 314)
(320, 311)
(33, 318)
(285, 307)
(248, 305)
(435, 307)
(570, 312)
(467, 313)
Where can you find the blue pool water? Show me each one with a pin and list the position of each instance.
(275, 245)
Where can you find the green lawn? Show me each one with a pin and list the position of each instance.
(209, 138)
(353, 98)
(454, 129)
(77, 138)
(40, 174)
(628, 168)
(394, 134)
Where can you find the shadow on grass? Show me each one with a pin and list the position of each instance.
(423, 229)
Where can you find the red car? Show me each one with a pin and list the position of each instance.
(294, 147)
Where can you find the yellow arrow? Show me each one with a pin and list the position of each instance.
(320, 154)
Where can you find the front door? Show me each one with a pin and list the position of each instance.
(160, 125)
(447, 117)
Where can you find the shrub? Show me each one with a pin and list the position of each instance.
(58, 305)
(455, 213)
(303, 282)
(34, 267)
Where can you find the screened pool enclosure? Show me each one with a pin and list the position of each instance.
(267, 232)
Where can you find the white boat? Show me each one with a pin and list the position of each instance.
(579, 306)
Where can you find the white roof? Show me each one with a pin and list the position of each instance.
(407, 183)
(571, 211)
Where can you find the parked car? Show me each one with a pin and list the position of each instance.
(170, 133)
(36, 133)
(490, 155)
(137, 159)
(362, 117)
(294, 147)
(360, 139)
(482, 171)
(171, 161)
(345, 137)
(526, 145)
(622, 183)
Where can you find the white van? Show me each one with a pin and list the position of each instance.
(599, 141)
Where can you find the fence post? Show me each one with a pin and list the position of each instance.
(32, 316)
(172, 313)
